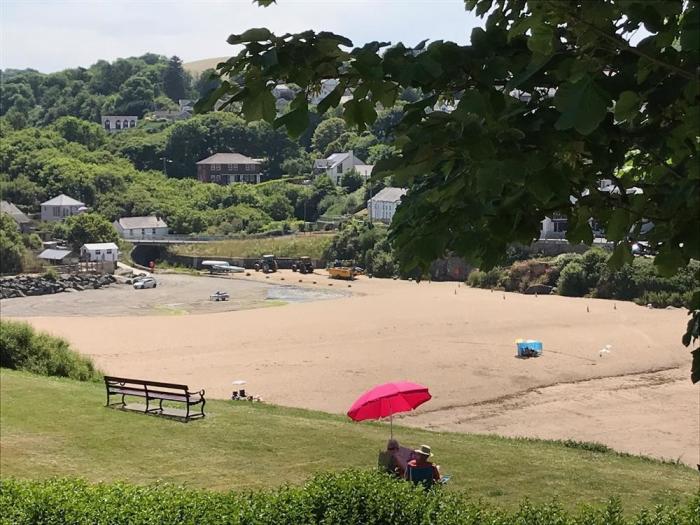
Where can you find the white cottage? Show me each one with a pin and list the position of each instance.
(141, 227)
(99, 252)
(338, 164)
(383, 205)
(60, 207)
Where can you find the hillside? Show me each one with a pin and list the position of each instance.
(197, 66)
(260, 445)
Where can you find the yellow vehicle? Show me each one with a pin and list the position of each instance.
(344, 272)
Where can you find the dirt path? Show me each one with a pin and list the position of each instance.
(460, 342)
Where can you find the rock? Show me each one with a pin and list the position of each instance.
(540, 289)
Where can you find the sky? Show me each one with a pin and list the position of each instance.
(51, 35)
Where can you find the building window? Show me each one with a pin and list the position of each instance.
(98, 252)
(56, 212)
(143, 231)
(109, 251)
(132, 124)
(107, 124)
(118, 124)
(250, 167)
(339, 169)
(153, 231)
(230, 167)
(560, 226)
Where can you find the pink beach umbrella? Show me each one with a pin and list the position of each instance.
(388, 399)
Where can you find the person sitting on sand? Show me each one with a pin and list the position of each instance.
(420, 460)
(393, 464)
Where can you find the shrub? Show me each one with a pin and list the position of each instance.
(572, 280)
(491, 279)
(349, 497)
(51, 274)
(21, 348)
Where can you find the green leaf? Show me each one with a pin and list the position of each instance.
(471, 102)
(582, 105)
(542, 40)
(332, 99)
(627, 106)
(260, 105)
(695, 367)
(622, 254)
(252, 35)
(690, 31)
(668, 260)
(359, 113)
(297, 119)
(619, 225)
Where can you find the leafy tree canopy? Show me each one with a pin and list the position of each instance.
(549, 98)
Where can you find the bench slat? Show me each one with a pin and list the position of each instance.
(113, 379)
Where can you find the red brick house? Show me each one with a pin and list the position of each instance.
(229, 168)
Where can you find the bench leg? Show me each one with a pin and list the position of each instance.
(160, 406)
(204, 401)
(123, 402)
(187, 416)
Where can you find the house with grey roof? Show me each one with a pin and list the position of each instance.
(383, 205)
(23, 222)
(141, 227)
(230, 168)
(116, 123)
(58, 256)
(60, 207)
(338, 164)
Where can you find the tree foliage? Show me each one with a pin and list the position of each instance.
(11, 246)
(549, 98)
(175, 80)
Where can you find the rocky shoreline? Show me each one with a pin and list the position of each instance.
(27, 285)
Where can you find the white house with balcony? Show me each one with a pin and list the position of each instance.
(60, 207)
(338, 164)
(141, 227)
(382, 206)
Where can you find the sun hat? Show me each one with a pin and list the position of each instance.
(424, 450)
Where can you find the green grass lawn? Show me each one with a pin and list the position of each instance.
(286, 246)
(55, 427)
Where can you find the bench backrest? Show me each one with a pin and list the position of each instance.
(113, 381)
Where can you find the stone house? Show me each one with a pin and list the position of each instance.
(141, 227)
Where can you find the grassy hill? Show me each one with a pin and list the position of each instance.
(285, 246)
(197, 66)
(56, 427)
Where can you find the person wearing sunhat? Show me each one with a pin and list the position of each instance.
(420, 460)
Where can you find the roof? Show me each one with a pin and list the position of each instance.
(14, 212)
(100, 246)
(53, 254)
(62, 200)
(150, 221)
(228, 158)
(390, 194)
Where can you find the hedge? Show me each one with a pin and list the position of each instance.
(349, 497)
(21, 348)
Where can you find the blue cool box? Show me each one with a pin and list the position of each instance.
(531, 344)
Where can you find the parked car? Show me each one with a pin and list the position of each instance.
(146, 282)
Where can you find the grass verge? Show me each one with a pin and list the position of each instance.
(312, 245)
(57, 427)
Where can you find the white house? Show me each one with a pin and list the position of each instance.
(60, 207)
(383, 205)
(141, 227)
(114, 123)
(99, 252)
(338, 164)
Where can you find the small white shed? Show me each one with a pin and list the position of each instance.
(100, 251)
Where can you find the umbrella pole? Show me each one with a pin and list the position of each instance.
(391, 426)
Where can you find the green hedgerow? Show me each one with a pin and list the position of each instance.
(348, 497)
(21, 348)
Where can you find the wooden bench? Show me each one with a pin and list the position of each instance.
(155, 391)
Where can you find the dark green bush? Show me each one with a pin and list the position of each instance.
(345, 498)
(21, 348)
(492, 279)
(572, 280)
